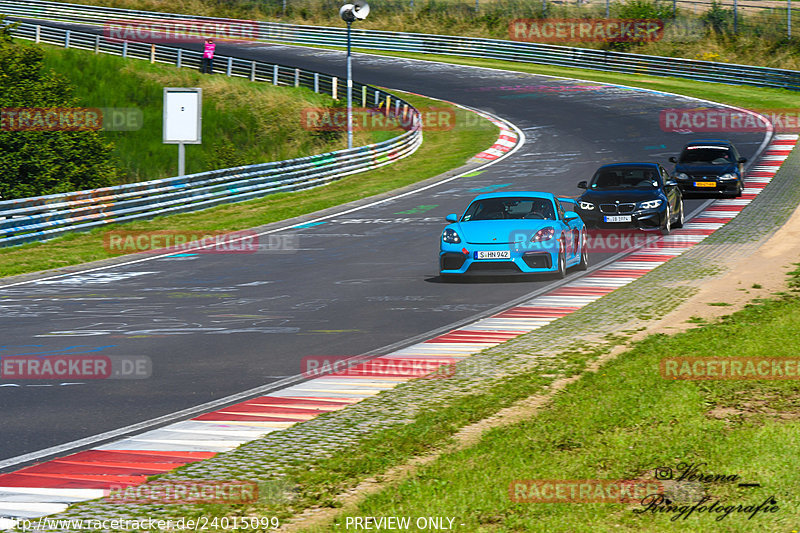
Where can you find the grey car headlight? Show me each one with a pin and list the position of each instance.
(586, 206)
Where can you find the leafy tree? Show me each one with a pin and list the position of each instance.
(34, 163)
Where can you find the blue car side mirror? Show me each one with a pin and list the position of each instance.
(570, 215)
(451, 218)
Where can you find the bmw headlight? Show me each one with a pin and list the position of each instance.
(729, 176)
(544, 234)
(450, 236)
(649, 204)
(681, 176)
(586, 206)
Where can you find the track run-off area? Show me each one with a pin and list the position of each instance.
(230, 332)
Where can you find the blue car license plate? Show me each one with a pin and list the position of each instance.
(492, 254)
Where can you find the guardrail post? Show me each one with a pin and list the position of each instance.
(377, 98)
(66, 39)
(316, 82)
(230, 67)
(38, 34)
(363, 96)
(274, 74)
(297, 77)
(124, 48)
(97, 44)
(152, 52)
(397, 107)
(179, 59)
(334, 87)
(252, 71)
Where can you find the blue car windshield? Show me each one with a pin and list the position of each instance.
(510, 209)
(706, 155)
(624, 178)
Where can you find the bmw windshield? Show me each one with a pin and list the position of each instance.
(624, 178)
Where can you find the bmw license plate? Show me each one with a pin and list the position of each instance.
(705, 183)
(494, 254)
(617, 218)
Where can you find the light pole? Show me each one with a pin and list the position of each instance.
(358, 10)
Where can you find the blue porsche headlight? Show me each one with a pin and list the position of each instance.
(544, 234)
(450, 236)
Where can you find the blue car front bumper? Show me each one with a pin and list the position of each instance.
(464, 259)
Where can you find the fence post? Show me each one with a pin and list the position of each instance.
(316, 82)
(274, 74)
(124, 48)
(152, 52)
(377, 98)
(66, 39)
(38, 33)
(297, 77)
(334, 87)
(179, 59)
(252, 71)
(363, 96)
(97, 44)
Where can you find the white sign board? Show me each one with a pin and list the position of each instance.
(182, 115)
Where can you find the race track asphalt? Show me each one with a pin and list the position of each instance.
(217, 324)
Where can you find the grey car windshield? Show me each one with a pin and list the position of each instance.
(625, 178)
(510, 208)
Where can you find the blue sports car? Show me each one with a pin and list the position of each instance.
(514, 233)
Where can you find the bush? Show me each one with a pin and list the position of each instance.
(34, 163)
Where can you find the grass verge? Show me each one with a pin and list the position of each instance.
(243, 122)
(760, 37)
(441, 151)
(626, 421)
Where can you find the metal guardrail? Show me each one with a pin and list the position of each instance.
(39, 218)
(605, 60)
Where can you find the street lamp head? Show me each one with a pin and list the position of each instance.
(358, 10)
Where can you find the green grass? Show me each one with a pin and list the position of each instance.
(243, 122)
(441, 151)
(625, 421)
(761, 39)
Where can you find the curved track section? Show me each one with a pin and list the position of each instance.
(215, 325)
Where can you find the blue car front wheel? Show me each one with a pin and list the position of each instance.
(562, 262)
